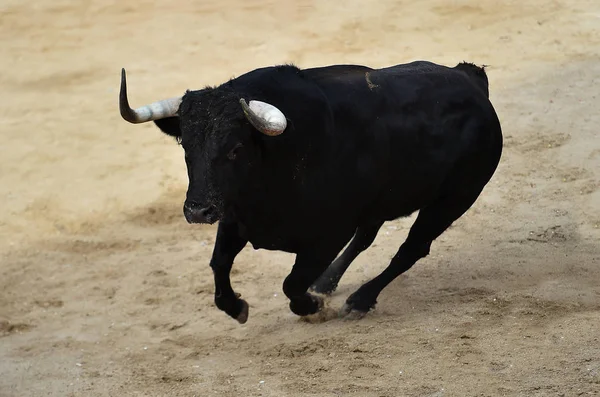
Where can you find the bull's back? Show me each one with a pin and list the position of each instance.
(410, 125)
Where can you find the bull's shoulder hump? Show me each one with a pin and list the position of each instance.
(415, 68)
(335, 73)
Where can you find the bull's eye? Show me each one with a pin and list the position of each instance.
(233, 153)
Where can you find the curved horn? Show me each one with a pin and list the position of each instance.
(264, 117)
(154, 111)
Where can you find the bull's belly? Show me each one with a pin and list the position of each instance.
(294, 236)
(295, 229)
(397, 203)
(274, 245)
(272, 237)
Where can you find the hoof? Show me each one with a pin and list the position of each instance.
(325, 312)
(320, 302)
(347, 312)
(243, 316)
(310, 304)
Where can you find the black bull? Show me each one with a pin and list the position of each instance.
(324, 158)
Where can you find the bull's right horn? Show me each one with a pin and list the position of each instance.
(154, 111)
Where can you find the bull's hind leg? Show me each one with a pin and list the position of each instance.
(364, 237)
(431, 222)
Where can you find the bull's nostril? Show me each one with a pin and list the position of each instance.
(194, 213)
(206, 212)
(191, 206)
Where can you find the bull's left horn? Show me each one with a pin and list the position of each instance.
(154, 111)
(264, 117)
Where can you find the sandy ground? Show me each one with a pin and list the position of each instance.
(106, 291)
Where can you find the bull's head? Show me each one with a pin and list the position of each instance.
(217, 130)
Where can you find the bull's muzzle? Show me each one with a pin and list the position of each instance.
(195, 213)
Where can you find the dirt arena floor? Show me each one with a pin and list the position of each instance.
(105, 290)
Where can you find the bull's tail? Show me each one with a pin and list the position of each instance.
(477, 75)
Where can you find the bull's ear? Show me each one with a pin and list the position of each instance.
(170, 126)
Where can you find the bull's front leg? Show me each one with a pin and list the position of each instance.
(227, 245)
(307, 268)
